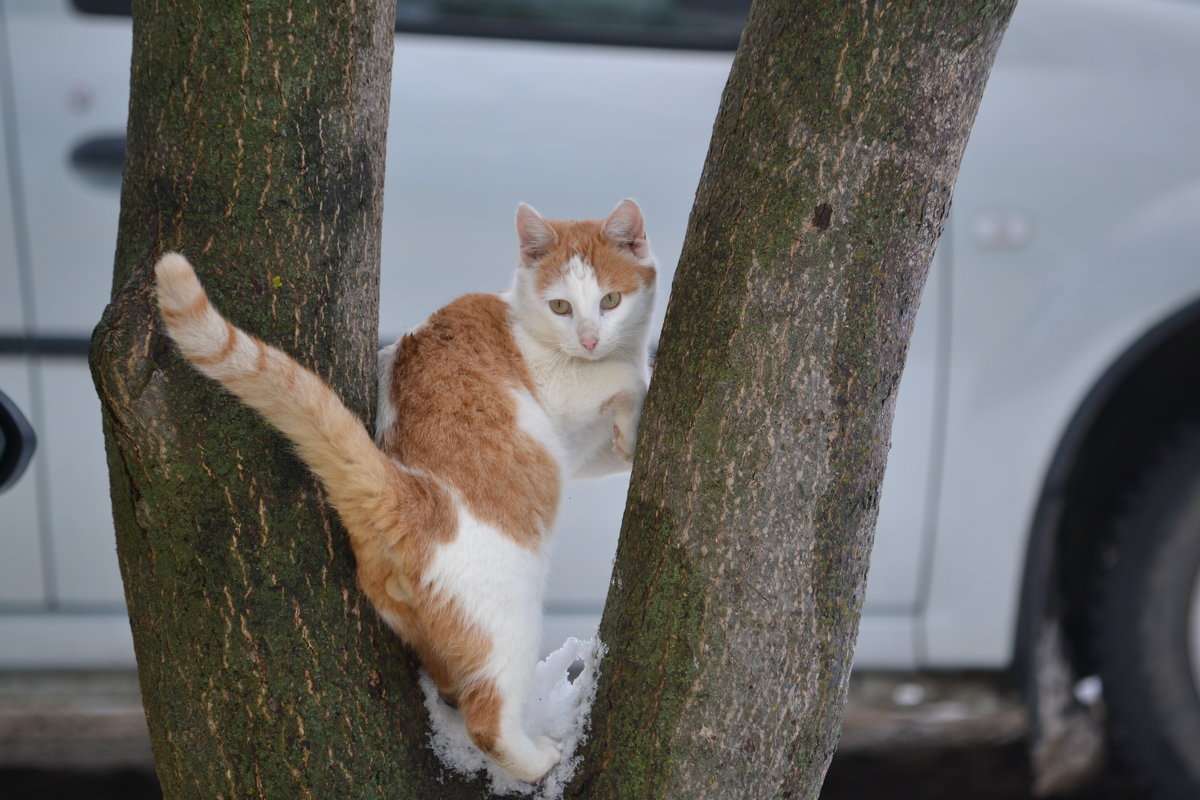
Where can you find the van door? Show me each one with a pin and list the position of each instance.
(21, 565)
(68, 84)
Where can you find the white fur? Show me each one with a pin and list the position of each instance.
(499, 583)
(574, 384)
(534, 420)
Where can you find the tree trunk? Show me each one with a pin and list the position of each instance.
(743, 555)
(255, 146)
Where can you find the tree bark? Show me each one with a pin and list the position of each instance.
(743, 555)
(255, 146)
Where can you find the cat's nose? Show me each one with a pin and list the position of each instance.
(588, 342)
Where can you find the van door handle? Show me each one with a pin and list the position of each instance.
(17, 442)
(100, 157)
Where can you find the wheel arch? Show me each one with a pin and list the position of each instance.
(1148, 390)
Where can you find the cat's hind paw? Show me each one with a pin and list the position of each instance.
(531, 760)
(549, 755)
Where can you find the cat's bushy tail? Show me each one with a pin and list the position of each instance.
(329, 438)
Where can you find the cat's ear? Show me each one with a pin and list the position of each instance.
(534, 233)
(627, 228)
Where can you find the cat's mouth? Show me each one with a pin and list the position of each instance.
(590, 355)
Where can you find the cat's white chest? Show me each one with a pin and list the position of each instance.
(574, 396)
(536, 420)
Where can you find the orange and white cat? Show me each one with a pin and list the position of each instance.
(485, 409)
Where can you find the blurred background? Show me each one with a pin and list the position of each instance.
(1035, 584)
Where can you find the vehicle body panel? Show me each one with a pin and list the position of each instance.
(1073, 232)
(1081, 137)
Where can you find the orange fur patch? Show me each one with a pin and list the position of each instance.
(260, 361)
(226, 349)
(616, 269)
(452, 387)
(622, 401)
(191, 314)
(481, 707)
(413, 517)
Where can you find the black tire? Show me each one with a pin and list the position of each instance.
(1147, 625)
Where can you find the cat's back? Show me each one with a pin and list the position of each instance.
(471, 336)
(464, 350)
(455, 400)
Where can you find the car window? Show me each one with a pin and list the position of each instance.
(685, 24)
(692, 24)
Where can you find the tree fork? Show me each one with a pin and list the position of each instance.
(256, 147)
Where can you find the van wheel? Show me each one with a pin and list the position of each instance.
(1147, 623)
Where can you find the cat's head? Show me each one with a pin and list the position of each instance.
(585, 288)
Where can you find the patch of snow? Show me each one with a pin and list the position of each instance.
(559, 706)
(908, 695)
(1089, 691)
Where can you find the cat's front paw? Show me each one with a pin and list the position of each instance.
(622, 444)
(625, 409)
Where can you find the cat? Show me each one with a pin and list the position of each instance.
(484, 410)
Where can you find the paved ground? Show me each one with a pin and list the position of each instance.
(83, 737)
(73, 720)
(954, 738)
(975, 772)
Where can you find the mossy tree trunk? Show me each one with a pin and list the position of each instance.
(256, 147)
(743, 557)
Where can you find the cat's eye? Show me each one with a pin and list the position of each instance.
(561, 307)
(610, 300)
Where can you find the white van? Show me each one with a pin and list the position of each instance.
(1042, 504)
